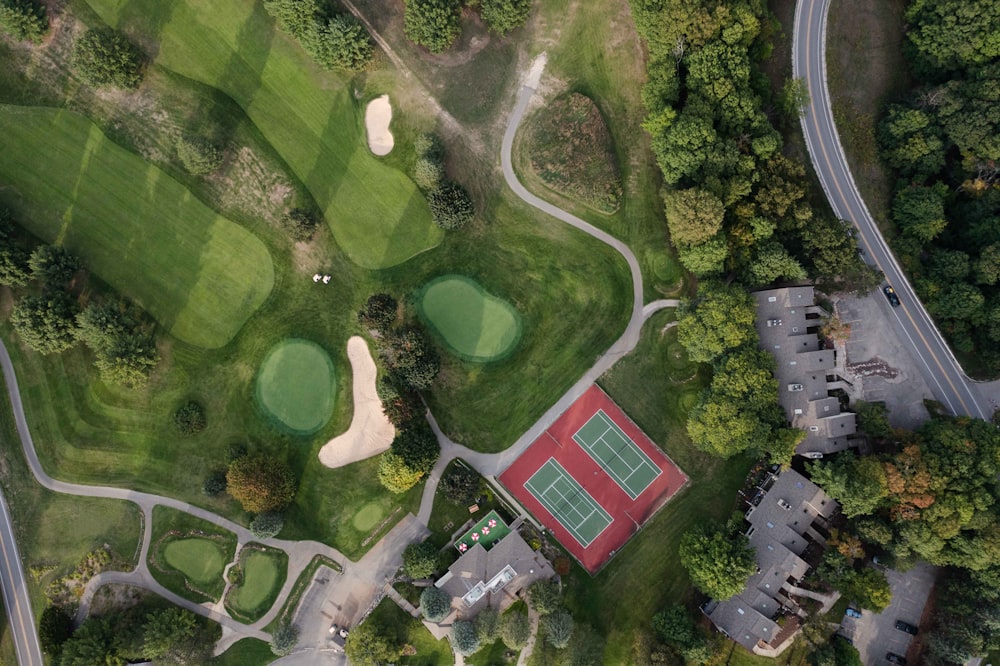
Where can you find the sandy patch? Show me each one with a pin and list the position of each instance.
(370, 432)
(378, 115)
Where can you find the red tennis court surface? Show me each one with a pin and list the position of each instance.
(595, 470)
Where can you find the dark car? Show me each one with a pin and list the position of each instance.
(894, 658)
(890, 293)
(906, 626)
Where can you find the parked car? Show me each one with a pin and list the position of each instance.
(890, 293)
(906, 626)
(894, 658)
(851, 612)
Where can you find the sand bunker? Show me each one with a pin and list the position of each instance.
(370, 432)
(378, 115)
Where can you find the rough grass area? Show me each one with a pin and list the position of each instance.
(865, 71)
(310, 117)
(296, 386)
(473, 323)
(572, 151)
(199, 274)
(245, 652)
(188, 555)
(410, 631)
(264, 572)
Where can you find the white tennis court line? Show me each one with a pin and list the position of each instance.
(645, 461)
(594, 505)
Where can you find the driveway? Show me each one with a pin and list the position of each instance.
(875, 634)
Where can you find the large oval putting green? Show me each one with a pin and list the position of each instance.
(200, 560)
(473, 323)
(296, 385)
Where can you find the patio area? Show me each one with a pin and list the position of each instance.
(490, 529)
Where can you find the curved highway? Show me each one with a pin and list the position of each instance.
(910, 320)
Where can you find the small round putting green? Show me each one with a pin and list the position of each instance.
(473, 323)
(296, 386)
(368, 516)
(200, 560)
(262, 573)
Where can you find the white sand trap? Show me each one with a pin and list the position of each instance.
(378, 115)
(370, 432)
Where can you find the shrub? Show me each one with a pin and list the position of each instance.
(515, 629)
(434, 604)
(14, 268)
(418, 447)
(395, 475)
(215, 483)
(235, 574)
(284, 638)
(408, 355)
(198, 156)
(428, 173)
(502, 16)
(400, 404)
(267, 525)
(236, 451)
(558, 629)
(460, 485)
(420, 560)
(54, 628)
(488, 625)
(24, 20)
(451, 206)
(301, 224)
(561, 566)
(433, 24)
(464, 639)
(190, 418)
(543, 596)
(379, 312)
(105, 57)
(260, 483)
(53, 265)
(46, 323)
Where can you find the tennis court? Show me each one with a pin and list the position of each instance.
(617, 454)
(568, 502)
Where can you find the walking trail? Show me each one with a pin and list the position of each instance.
(375, 568)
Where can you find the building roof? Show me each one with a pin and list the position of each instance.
(778, 527)
(802, 368)
(481, 578)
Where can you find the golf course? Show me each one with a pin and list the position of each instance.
(471, 322)
(296, 386)
(264, 573)
(202, 275)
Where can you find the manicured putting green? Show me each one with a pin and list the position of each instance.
(296, 385)
(368, 516)
(377, 214)
(473, 323)
(262, 573)
(200, 560)
(200, 275)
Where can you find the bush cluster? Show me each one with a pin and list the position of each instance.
(24, 20)
(121, 340)
(189, 418)
(301, 224)
(450, 204)
(198, 156)
(410, 458)
(106, 57)
(335, 41)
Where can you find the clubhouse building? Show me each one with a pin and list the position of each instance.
(788, 321)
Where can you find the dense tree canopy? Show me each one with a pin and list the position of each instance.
(335, 41)
(46, 323)
(720, 319)
(502, 16)
(420, 560)
(368, 645)
(718, 562)
(24, 19)
(260, 483)
(106, 57)
(433, 24)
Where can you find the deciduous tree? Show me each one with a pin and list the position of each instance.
(719, 319)
(434, 604)
(719, 563)
(46, 323)
(260, 483)
(420, 560)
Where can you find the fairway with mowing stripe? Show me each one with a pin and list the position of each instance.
(617, 454)
(567, 500)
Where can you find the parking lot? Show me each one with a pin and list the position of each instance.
(873, 634)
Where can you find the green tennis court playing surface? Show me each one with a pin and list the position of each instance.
(617, 454)
(568, 502)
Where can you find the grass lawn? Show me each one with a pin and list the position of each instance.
(264, 572)
(246, 652)
(377, 214)
(296, 385)
(202, 276)
(494, 654)
(188, 555)
(399, 626)
(473, 323)
(866, 70)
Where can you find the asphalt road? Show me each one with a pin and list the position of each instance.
(944, 376)
(20, 619)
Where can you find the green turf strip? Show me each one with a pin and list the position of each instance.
(198, 559)
(377, 214)
(295, 385)
(473, 323)
(200, 275)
